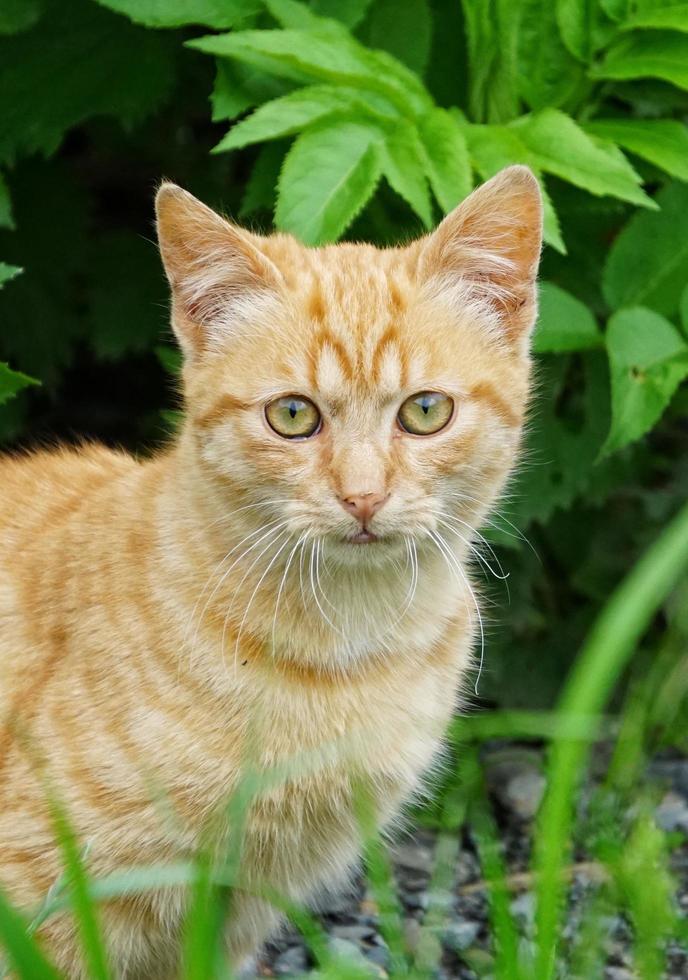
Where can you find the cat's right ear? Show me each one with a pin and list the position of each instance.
(212, 266)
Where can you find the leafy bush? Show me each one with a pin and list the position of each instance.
(370, 118)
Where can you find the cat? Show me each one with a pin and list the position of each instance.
(284, 589)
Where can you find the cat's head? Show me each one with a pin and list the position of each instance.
(360, 395)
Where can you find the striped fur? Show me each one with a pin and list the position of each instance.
(166, 624)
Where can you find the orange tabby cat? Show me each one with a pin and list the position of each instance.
(286, 584)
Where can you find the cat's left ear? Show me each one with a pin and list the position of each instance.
(216, 270)
(488, 248)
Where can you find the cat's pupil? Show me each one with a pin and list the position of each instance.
(293, 409)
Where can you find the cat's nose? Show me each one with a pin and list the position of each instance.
(364, 505)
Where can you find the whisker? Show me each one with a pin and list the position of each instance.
(452, 562)
(281, 586)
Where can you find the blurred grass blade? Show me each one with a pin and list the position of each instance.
(82, 902)
(609, 647)
(22, 950)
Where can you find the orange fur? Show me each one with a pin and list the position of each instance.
(165, 623)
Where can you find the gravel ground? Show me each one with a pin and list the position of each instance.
(516, 786)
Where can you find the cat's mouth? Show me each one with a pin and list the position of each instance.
(362, 537)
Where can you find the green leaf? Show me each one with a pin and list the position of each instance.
(230, 97)
(551, 229)
(349, 12)
(328, 175)
(322, 55)
(558, 145)
(403, 29)
(647, 264)
(12, 382)
(648, 359)
(18, 15)
(576, 20)
(403, 164)
(291, 13)
(261, 187)
(548, 74)
(6, 219)
(656, 54)
(8, 272)
(79, 61)
(683, 310)
(615, 9)
(448, 162)
(663, 142)
(491, 28)
(672, 17)
(178, 13)
(564, 323)
(285, 116)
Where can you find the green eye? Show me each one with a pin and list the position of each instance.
(425, 413)
(293, 417)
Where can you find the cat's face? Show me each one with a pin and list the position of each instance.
(362, 396)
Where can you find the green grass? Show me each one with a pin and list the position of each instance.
(631, 852)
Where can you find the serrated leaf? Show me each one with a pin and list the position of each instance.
(652, 54)
(672, 16)
(229, 98)
(647, 264)
(261, 188)
(178, 13)
(564, 323)
(328, 176)
(322, 55)
(403, 29)
(12, 382)
(494, 147)
(6, 219)
(648, 359)
(558, 145)
(663, 142)
(18, 15)
(79, 61)
(8, 272)
(285, 116)
(548, 74)
(448, 160)
(403, 164)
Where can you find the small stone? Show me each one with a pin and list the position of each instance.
(415, 901)
(412, 933)
(353, 933)
(412, 857)
(460, 935)
(523, 793)
(617, 973)
(523, 909)
(378, 954)
(467, 868)
(672, 813)
(292, 962)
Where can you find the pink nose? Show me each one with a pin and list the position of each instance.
(363, 505)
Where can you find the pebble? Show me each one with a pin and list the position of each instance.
(412, 857)
(460, 935)
(292, 962)
(672, 813)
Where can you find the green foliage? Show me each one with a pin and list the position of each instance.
(372, 119)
